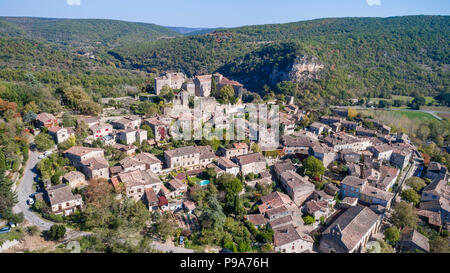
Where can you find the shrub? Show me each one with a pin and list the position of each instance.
(57, 232)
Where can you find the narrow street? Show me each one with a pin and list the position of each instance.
(25, 189)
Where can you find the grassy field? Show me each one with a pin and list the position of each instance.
(416, 115)
(406, 99)
(412, 115)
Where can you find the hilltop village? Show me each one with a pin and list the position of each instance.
(339, 183)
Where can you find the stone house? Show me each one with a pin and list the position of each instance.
(412, 241)
(343, 141)
(173, 80)
(222, 81)
(127, 122)
(129, 136)
(178, 188)
(251, 163)
(237, 150)
(282, 166)
(324, 153)
(46, 120)
(97, 167)
(258, 220)
(296, 144)
(61, 200)
(318, 209)
(60, 134)
(151, 200)
(203, 85)
(351, 231)
(287, 239)
(356, 187)
(136, 182)
(228, 166)
(99, 130)
(151, 162)
(160, 130)
(75, 179)
(349, 125)
(436, 170)
(77, 154)
(318, 128)
(297, 187)
(435, 190)
(129, 164)
(183, 157)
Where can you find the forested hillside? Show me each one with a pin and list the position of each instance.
(361, 56)
(349, 57)
(83, 32)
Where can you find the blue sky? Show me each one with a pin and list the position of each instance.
(223, 13)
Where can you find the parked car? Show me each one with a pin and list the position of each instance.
(181, 240)
(48, 153)
(30, 201)
(5, 230)
(11, 224)
(42, 156)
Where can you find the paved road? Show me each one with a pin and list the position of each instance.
(25, 189)
(173, 249)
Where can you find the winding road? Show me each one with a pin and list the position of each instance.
(25, 189)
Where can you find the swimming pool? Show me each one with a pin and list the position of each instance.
(203, 182)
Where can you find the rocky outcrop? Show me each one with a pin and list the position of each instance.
(302, 69)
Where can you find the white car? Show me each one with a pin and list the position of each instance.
(30, 201)
(48, 153)
(42, 156)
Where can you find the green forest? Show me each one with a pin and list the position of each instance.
(361, 57)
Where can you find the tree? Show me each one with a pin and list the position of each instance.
(417, 102)
(392, 234)
(411, 195)
(149, 130)
(43, 142)
(8, 198)
(439, 245)
(226, 93)
(57, 232)
(309, 220)
(15, 218)
(313, 167)
(230, 183)
(385, 247)
(29, 117)
(416, 183)
(211, 173)
(214, 88)
(404, 216)
(255, 148)
(351, 113)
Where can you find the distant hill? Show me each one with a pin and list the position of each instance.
(335, 58)
(83, 32)
(191, 31)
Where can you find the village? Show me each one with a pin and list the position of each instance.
(334, 185)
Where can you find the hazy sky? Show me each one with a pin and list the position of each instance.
(215, 13)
